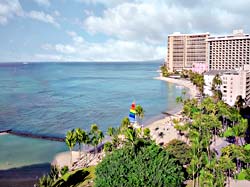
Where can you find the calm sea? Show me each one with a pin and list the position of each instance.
(51, 98)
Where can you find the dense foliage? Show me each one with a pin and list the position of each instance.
(180, 150)
(207, 120)
(164, 71)
(144, 164)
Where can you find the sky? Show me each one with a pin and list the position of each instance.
(109, 30)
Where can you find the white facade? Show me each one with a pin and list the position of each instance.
(208, 79)
(234, 83)
(228, 52)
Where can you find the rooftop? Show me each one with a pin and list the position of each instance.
(196, 34)
(237, 34)
(215, 72)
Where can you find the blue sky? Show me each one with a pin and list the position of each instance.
(108, 30)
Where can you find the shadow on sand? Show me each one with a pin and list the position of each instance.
(25, 176)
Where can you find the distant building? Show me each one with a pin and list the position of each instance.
(228, 52)
(186, 49)
(234, 83)
(199, 67)
(208, 80)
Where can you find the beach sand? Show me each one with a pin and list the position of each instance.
(182, 82)
(165, 126)
(63, 159)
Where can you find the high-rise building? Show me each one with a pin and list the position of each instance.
(229, 52)
(186, 49)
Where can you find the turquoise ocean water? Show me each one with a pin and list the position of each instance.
(51, 98)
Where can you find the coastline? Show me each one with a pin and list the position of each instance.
(161, 124)
(162, 130)
(182, 82)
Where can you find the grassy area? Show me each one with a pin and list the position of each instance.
(89, 178)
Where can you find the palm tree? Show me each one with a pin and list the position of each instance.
(80, 138)
(139, 112)
(87, 141)
(227, 166)
(111, 131)
(131, 136)
(239, 103)
(124, 124)
(96, 136)
(100, 136)
(240, 129)
(70, 140)
(223, 111)
(179, 99)
(234, 115)
(94, 128)
(216, 82)
(216, 87)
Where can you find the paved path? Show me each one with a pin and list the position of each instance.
(219, 144)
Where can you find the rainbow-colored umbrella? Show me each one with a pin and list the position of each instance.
(132, 113)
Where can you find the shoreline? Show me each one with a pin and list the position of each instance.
(162, 130)
(162, 122)
(182, 82)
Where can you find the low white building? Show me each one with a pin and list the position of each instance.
(208, 79)
(234, 83)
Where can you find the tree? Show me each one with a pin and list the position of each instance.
(180, 150)
(227, 166)
(100, 136)
(108, 147)
(113, 133)
(96, 136)
(124, 124)
(239, 130)
(70, 140)
(80, 138)
(139, 111)
(239, 103)
(164, 71)
(216, 83)
(146, 133)
(150, 165)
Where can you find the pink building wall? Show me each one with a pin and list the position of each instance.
(199, 67)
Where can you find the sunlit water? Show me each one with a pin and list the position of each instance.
(51, 98)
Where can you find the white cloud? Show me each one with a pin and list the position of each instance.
(43, 2)
(77, 39)
(107, 3)
(41, 16)
(12, 8)
(9, 9)
(111, 50)
(46, 57)
(152, 21)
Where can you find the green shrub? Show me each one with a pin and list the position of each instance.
(146, 164)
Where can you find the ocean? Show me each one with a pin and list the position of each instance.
(52, 98)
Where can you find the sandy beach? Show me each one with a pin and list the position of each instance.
(63, 159)
(182, 82)
(163, 131)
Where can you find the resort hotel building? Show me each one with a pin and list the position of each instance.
(228, 52)
(227, 56)
(186, 49)
(234, 83)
